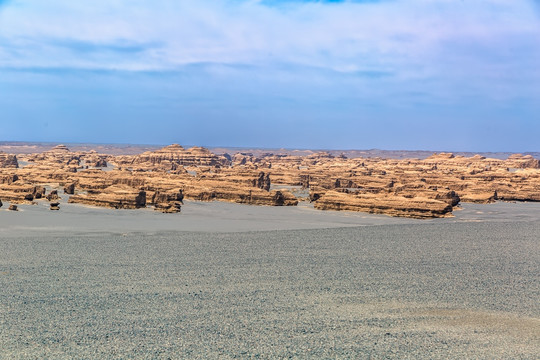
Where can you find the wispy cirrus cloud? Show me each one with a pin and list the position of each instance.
(348, 36)
(415, 40)
(410, 54)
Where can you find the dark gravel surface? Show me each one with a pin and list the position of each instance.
(433, 290)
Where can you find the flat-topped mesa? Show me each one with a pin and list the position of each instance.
(419, 208)
(514, 161)
(115, 197)
(279, 160)
(517, 156)
(60, 151)
(93, 159)
(172, 148)
(480, 196)
(59, 154)
(8, 161)
(320, 155)
(199, 150)
(18, 191)
(478, 157)
(60, 148)
(441, 156)
(171, 157)
(523, 161)
(234, 192)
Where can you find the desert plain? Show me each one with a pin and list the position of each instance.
(165, 254)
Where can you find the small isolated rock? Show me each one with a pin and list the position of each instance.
(55, 206)
(13, 207)
(174, 207)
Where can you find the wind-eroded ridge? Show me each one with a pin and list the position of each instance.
(416, 188)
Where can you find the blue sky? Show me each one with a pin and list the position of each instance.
(394, 74)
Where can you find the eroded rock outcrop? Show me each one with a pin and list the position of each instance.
(69, 189)
(8, 161)
(53, 195)
(389, 205)
(8, 179)
(18, 192)
(38, 192)
(398, 187)
(115, 197)
(263, 181)
(99, 163)
(168, 202)
(171, 157)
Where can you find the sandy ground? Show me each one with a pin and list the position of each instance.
(227, 217)
(230, 281)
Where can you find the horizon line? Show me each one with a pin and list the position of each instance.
(54, 143)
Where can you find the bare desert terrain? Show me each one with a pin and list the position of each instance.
(164, 254)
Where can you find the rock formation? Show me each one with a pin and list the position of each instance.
(69, 189)
(168, 202)
(8, 161)
(170, 158)
(426, 188)
(263, 181)
(17, 191)
(8, 179)
(53, 195)
(116, 197)
(390, 205)
(99, 163)
(38, 192)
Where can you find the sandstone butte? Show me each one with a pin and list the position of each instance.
(162, 179)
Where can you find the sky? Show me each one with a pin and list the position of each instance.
(461, 75)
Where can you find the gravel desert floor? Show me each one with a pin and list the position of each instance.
(233, 281)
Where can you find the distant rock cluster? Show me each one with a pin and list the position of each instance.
(162, 179)
(8, 161)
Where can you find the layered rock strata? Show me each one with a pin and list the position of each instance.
(8, 161)
(115, 197)
(416, 188)
(419, 208)
(170, 158)
(168, 202)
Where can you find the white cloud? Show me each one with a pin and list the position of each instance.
(416, 40)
